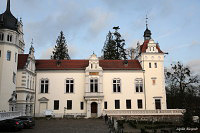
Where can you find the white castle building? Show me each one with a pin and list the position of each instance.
(88, 88)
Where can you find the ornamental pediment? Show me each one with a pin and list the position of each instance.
(43, 99)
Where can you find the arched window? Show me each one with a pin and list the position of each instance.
(9, 38)
(138, 85)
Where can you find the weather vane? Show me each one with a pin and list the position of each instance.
(146, 22)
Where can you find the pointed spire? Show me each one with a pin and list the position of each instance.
(147, 32)
(146, 22)
(8, 5)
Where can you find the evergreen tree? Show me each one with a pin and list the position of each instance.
(109, 49)
(120, 43)
(60, 51)
(114, 46)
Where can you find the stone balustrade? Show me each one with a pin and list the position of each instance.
(93, 94)
(9, 115)
(143, 112)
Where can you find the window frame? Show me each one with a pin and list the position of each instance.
(69, 105)
(150, 65)
(14, 77)
(156, 65)
(94, 85)
(70, 90)
(15, 57)
(117, 104)
(1, 36)
(139, 102)
(9, 37)
(56, 106)
(82, 105)
(128, 104)
(139, 86)
(44, 85)
(8, 55)
(105, 105)
(117, 85)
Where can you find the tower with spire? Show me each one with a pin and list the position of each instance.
(11, 44)
(151, 58)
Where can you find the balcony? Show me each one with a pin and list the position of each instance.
(143, 112)
(98, 95)
(9, 115)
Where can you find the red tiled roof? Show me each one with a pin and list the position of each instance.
(22, 59)
(64, 64)
(144, 46)
(82, 64)
(119, 64)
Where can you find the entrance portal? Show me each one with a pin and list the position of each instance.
(94, 109)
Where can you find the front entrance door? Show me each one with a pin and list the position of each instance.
(94, 109)
(158, 103)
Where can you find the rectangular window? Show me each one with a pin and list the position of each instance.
(139, 85)
(128, 104)
(158, 103)
(56, 104)
(0, 53)
(69, 104)
(69, 86)
(139, 102)
(149, 65)
(1, 36)
(117, 104)
(116, 85)
(155, 65)
(82, 105)
(105, 105)
(93, 85)
(14, 77)
(8, 55)
(15, 57)
(44, 86)
(153, 81)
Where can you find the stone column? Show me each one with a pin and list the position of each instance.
(28, 110)
(88, 109)
(99, 109)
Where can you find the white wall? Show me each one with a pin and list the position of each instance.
(128, 91)
(57, 90)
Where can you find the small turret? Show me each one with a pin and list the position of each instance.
(147, 32)
(7, 20)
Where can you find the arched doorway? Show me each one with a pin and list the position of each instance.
(94, 109)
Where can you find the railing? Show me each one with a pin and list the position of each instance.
(9, 115)
(94, 94)
(144, 112)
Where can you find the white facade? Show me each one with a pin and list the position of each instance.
(86, 88)
(105, 96)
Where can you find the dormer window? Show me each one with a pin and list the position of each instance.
(1, 36)
(9, 38)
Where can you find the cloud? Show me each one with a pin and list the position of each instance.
(100, 21)
(191, 45)
(46, 54)
(194, 65)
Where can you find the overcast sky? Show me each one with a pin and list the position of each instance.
(174, 25)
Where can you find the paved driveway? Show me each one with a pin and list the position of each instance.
(68, 126)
